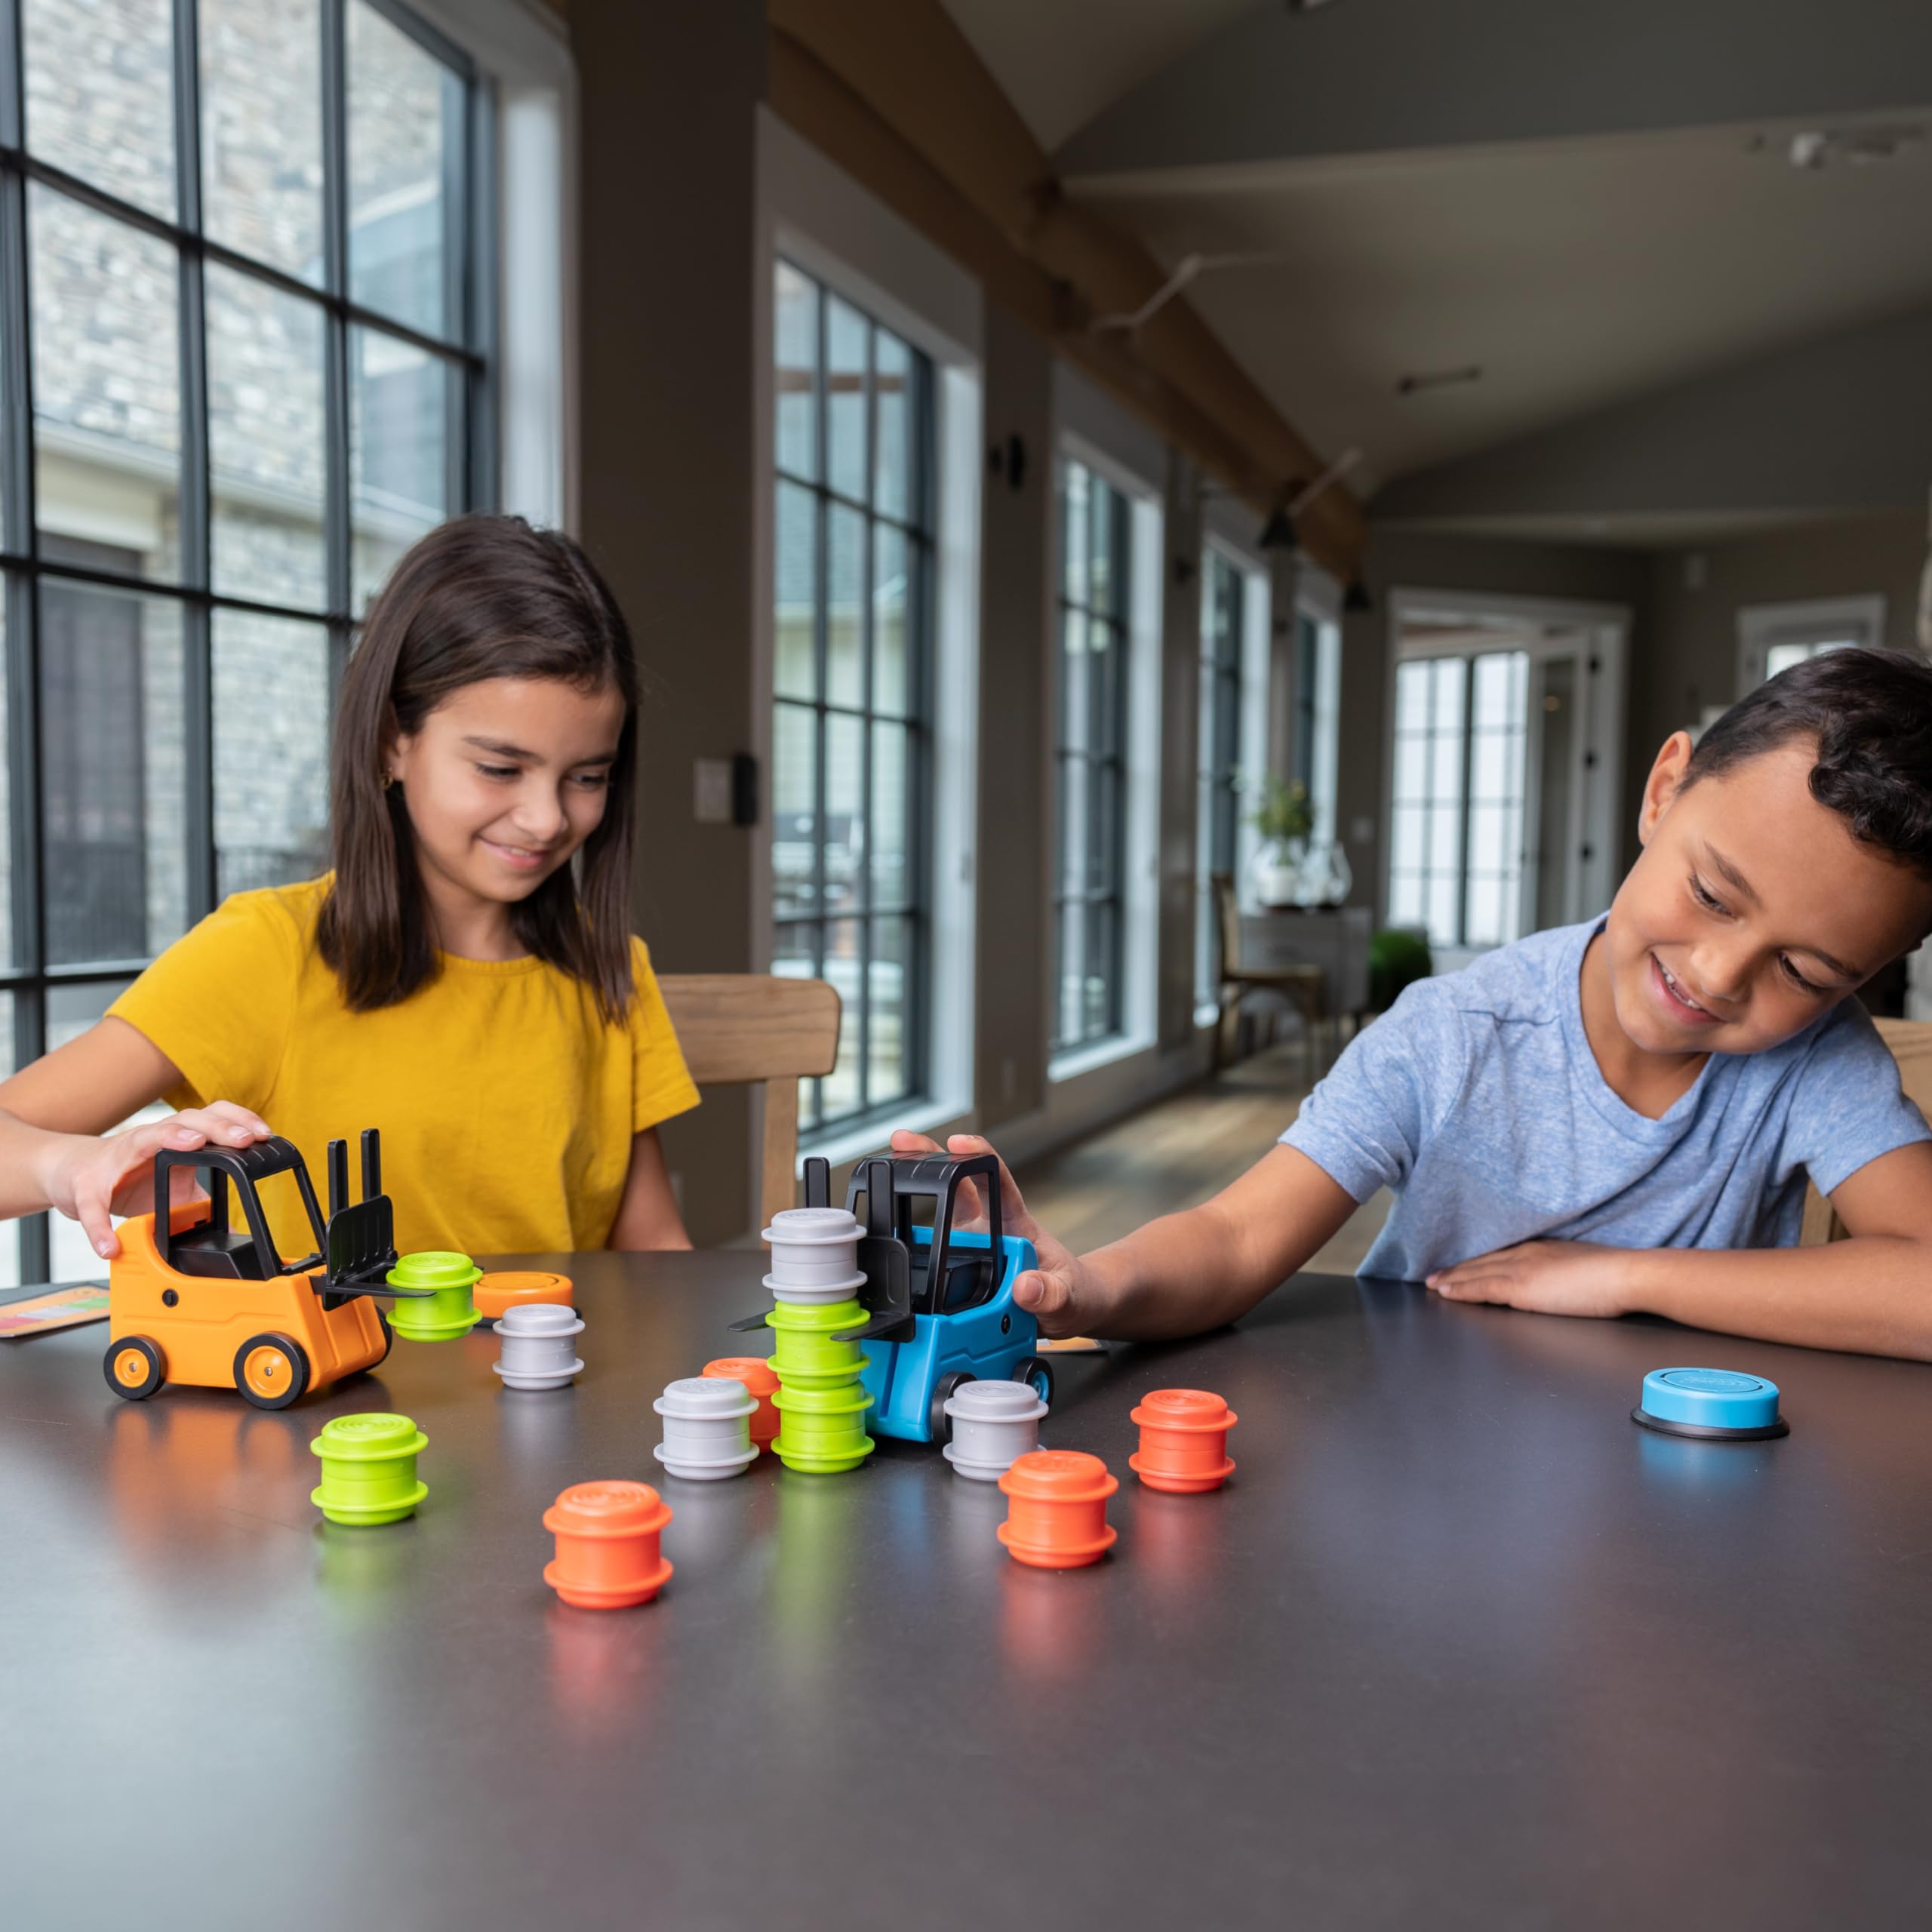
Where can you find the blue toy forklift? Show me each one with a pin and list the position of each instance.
(939, 1299)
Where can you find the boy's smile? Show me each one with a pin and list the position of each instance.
(1752, 910)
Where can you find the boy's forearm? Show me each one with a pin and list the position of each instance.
(1175, 1276)
(1872, 1295)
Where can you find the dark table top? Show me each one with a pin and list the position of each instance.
(1458, 1645)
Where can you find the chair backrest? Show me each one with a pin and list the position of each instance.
(737, 1028)
(1227, 924)
(1911, 1043)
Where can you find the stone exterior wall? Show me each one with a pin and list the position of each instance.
(105, 358)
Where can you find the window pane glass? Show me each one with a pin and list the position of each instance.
(399, 413)
(845, 399)
(845, 602)
(113, 773)
(405, 122)
(891, 590)
(843, 965)
(10, 1231)
(892, 801)
(262, 131)
(71, 1011)
(794, 811)
(8, 934)
(107, 399)
(795, 330)
(266, 441)
(1073, 970)
(894, 377)
(794, 956)
(1073, 532)
(888, 1076)
(1075, 705)
(1106, 564)
(844, 813)
(795, 645)
(270, 750)
(100, 93)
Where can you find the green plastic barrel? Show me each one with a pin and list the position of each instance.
(821, 1431)
(368, 1469)
(451, 1311)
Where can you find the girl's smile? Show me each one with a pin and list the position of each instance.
(504, 783)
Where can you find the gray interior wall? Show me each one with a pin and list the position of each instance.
(1010, 1046)
(668, 196)
(1687, 657)
(1180, 704)
(1417, 561)
(1843, 424)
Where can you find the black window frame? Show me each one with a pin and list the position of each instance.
(467, 355)
(1099, 761)
(919, 531)
(1224, 589)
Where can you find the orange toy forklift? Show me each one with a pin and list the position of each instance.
(190, 1299)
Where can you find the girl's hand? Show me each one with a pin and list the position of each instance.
(88, 1179)
(1549, 1277)
(1058, 1292)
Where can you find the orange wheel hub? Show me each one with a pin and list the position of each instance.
(130, 1367)
(265, 1371)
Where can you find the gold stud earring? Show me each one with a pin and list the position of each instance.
(389, 779)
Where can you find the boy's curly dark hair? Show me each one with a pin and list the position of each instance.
(1870, 712)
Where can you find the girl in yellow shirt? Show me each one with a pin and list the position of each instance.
(465, 978)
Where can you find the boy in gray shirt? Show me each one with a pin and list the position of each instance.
(1619, 1117)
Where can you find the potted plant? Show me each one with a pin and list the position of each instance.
(1284, 818)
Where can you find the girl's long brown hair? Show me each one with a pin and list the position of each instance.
(479, 597)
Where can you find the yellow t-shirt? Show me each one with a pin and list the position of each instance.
(507, 1103)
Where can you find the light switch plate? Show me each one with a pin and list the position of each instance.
(711, 791)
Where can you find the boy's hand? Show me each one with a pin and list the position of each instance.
(88, 1179)
(1549, 1277)
(1057, 1292)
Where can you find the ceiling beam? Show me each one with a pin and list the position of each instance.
(892, 91)
(1380, 77)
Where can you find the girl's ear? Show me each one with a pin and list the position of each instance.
(1665, 782)
(392, 748)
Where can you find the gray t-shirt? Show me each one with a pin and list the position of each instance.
(1477, 1098)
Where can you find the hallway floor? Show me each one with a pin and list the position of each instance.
(1176, 1153)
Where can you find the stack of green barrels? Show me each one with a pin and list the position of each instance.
(821, 1402)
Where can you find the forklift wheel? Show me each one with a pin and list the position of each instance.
(271, 1371)
(135, 1367)
(389, 1340)
(936, 1418)
(1038, 1376)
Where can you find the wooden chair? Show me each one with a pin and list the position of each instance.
(1301, 983)
(736, 1028)
(1911, 1043)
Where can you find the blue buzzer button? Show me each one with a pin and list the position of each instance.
(1715, 1403)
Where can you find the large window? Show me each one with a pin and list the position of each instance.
(1318, 715)
(851, 680)
(1218, 776)
(245, 327)
(1457, 864)
(1089, 879)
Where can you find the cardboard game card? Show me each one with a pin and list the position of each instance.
(41, 1306)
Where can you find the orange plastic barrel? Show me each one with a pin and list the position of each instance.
(1056, 1508)
(494, 1293)
(608, 1554)
(760, 1379)
(1183, 1440)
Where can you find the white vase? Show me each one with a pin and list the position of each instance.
(1275, 871)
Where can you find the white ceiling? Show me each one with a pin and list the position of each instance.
(1059, 62)
(1579, 272)
(1575, 274)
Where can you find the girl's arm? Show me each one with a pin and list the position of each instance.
(88, 1179)
(93, 1083)
(648, 1216)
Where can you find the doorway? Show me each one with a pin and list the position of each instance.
(1504, 726)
